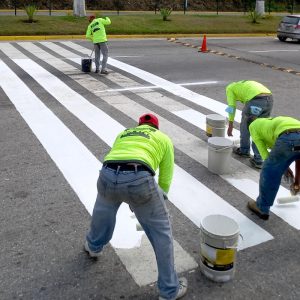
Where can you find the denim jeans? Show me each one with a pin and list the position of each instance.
(104, 50)
(266, 105)
(140, 190)
(280, 158)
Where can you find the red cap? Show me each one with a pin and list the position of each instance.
(149, 118)
(91, 18)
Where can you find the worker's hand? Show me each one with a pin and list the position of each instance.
(229, 129)
(165, 195)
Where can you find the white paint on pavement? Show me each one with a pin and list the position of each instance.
(46, 79)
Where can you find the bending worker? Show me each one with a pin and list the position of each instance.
(128, 175)
(282, 136)
(258, 101)
(97, 34)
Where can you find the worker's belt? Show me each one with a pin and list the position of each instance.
(127, 167)
(296, 130)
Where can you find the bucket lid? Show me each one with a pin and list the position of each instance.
(219, 142)
(216, 120)
(220, 225)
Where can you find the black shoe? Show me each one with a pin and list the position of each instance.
(237, 151)
(97, 71)
(253, 207)
(104, 72)
(254, 163)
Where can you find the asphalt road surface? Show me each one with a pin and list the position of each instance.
(57, 124)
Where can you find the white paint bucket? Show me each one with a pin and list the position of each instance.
(219, 155)
(215, 125)
(219, 237)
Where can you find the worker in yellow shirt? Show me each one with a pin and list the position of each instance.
(97, 34)
(127, 176)
(258, 102)
(282, 136)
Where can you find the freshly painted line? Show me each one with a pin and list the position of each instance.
(169, 86)
(65, 149)
(240, 183)
(266, 51)
(181, 178)
(135, 88)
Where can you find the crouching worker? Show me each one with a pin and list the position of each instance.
(127, 176)
(282, 136)
(258, 102)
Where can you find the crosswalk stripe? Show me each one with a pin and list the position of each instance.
(64, 148)
(245, 179)
(195, 190)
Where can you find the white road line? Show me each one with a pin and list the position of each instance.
(169, 86)
(181, 178)
(246, 185)
(136, 88)
(266, 51)
(65, 149)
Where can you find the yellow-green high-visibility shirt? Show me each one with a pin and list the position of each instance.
(265, 131)
(96, 30)
(146, 145)
(243, 91)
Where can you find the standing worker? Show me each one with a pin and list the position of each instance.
(127, 176)
(97, 34)
(282, 136)
(258, 101)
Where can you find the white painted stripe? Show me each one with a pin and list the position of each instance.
(80, 168)
(74, 160)
(183, 178)
(169, 86)
(266, 51)
(136, 88)
(288, 215)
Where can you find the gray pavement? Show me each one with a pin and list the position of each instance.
(42, 219)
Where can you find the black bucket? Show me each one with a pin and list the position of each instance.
(86, 65)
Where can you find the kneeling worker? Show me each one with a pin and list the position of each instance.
(282, 136)
(128, 175)
(258, 102)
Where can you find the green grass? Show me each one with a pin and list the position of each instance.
(139, 24)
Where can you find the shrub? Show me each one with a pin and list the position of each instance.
(30, 11)
(165, 12)
(254, 16)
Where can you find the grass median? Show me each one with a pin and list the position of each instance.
(140, 24)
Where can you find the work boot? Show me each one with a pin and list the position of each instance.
(104, 72)
(238, 151)
(97, 71)
(90, 252)
(181, 291)
(256, 164)
(253, 207)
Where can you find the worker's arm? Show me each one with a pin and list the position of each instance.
(89, 34)
(166, 167)
(260, 144)
(106, 21)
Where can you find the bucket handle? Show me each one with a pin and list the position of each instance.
(92, 52)
(235, 247)
(221, 149)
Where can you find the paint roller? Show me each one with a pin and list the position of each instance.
(289, 199)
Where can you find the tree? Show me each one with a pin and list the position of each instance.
(79, 8)
(260, 7)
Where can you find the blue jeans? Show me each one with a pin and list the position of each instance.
(101, 47)
(265, 103)
(140, 190)
(280, 158)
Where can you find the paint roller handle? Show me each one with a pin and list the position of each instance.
(92, 52)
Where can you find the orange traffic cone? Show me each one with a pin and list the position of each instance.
(203, 47)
